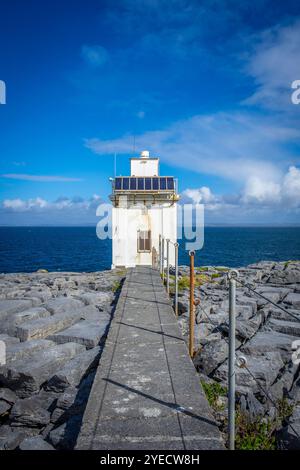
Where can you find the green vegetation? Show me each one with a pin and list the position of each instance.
(256, 434)
(214, 275)
(285, 409)
(259, 433)
(116, 286)
(291, 261)
(121, 271)
(213, 392)
(251, 434)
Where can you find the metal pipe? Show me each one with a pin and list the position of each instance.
(192, 311)
(159, 250)
(163, 259)
(232, 275)
(168, 266)
(176, 279)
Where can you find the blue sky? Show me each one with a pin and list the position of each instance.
(204, 85)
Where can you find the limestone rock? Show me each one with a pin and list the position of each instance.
(84, 332)
(44, 327)
(29, 413)
(63, 304)
(26, 377)
(73, 371)
(35, 443)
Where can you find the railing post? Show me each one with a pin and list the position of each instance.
(232, 276)
(163, 259)
(168, 266)
(192, 311)
(159, 250)
(176, 279)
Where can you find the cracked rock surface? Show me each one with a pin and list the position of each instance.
(53, 326)
(265, 336)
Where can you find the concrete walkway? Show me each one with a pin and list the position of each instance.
(146, 394)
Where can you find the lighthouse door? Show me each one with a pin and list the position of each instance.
(144, 247)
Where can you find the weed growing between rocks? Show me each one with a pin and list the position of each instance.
(214, 393)
(254, 434)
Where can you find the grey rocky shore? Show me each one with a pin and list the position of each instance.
(268, 390)
(54, 327)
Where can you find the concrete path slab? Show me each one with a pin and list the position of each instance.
(146, 393)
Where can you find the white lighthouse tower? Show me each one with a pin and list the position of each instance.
(144, 208)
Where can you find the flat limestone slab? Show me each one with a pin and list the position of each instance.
(11, 323)
(43, 327)
(146, 393)
(84, 332)
(25, 376)
(287, 327)
(8, 307)
(19, 350)
(74, 370)
(63, 304)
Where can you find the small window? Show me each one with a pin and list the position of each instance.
(144, 241)
(148, 183)
(163, 183)
(118, 182)
(125, 183)
(155, 184)
(170, 183)
(141, 183)
(132, 183)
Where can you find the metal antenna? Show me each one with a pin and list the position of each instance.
(134, 145)
(115, 164)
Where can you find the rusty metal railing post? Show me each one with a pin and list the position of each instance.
(176, 279)
(232, 276)
(192, 310)
(168, 265)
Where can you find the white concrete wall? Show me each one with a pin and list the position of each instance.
(144, 167)
(127, 221)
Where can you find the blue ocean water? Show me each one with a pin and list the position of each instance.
(26, 249)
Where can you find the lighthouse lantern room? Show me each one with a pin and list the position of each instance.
(144, 208)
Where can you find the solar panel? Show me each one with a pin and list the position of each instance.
(163, 185)
(170, 183)
(141, 183)
(125, 183)
(155, 184)
(133, 183)
(118, 183)
(148, 183)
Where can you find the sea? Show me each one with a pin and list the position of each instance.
(27, 249)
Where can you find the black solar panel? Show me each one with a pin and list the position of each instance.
(149, 183)
(126, 183)
(141, 183)
(163, 185)
(118, 183)
(132, 183)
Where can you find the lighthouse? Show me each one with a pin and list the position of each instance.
(144, 210)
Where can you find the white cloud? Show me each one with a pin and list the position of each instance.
(274, 65)
(291, 186)
(14, 204)
(42, 178)
(258, 193)
(234, 146)
(201, 195)
(96, 55)
(61, 204)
